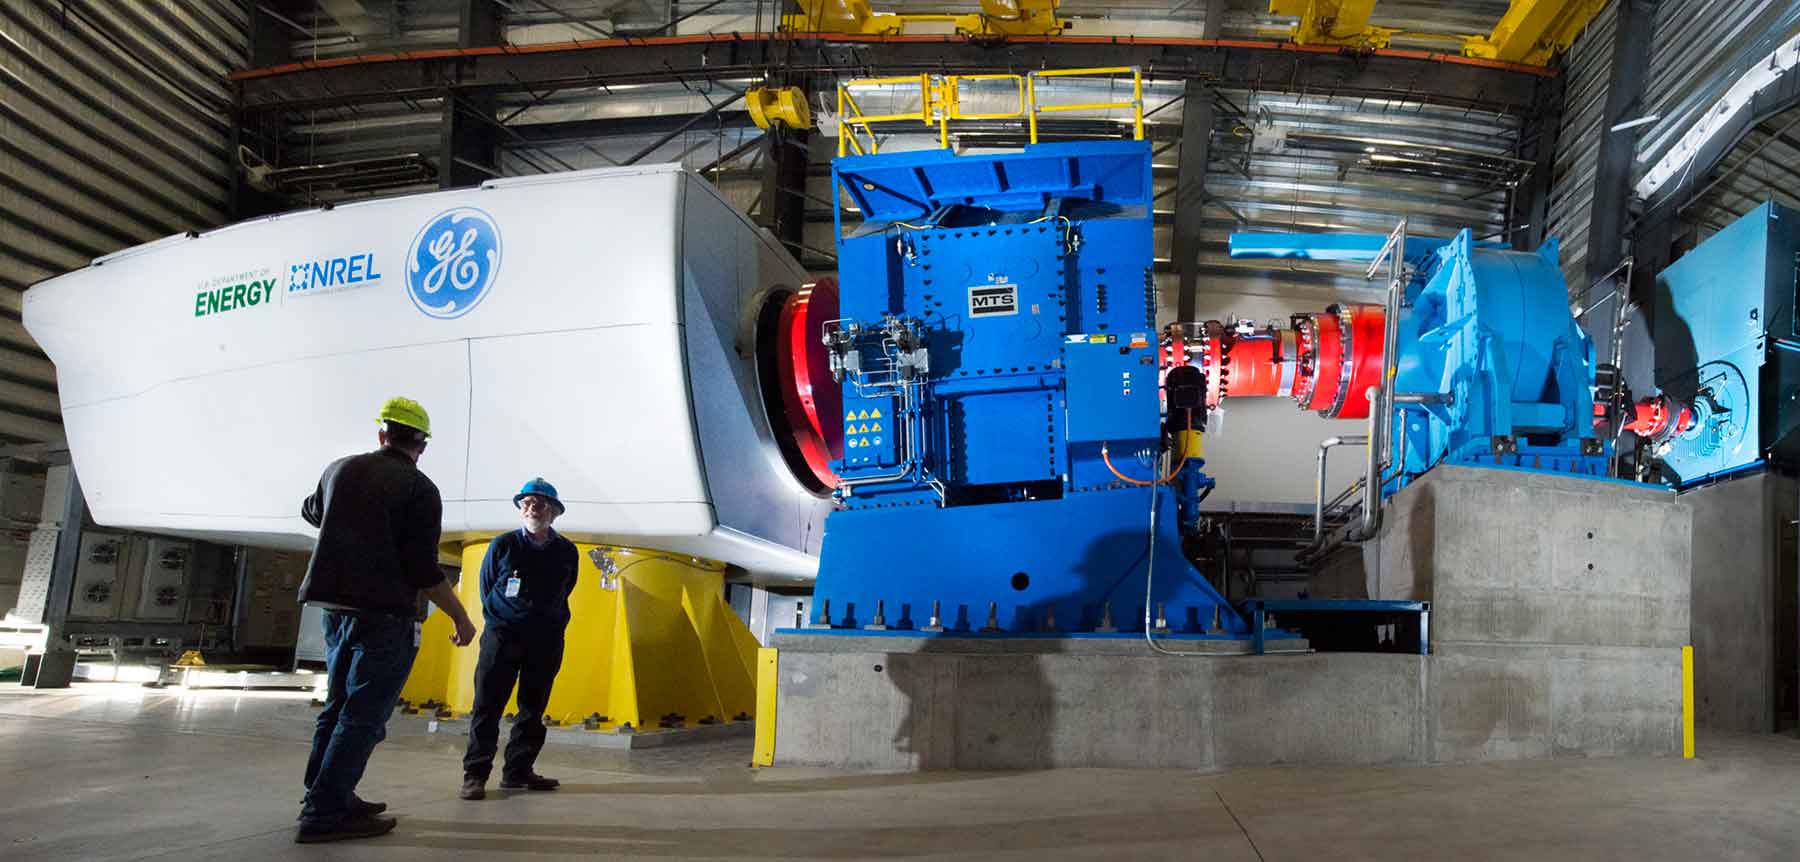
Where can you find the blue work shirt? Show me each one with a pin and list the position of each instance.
(546, 578)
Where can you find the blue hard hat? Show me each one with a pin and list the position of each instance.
(541, 488)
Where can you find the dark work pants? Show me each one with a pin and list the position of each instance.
(531, 660)
(367, 658)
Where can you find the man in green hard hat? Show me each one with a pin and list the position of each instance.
(379, 521)
(526, 578)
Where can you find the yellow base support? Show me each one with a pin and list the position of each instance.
(430, 678)
(1687, 702)
(655, 639)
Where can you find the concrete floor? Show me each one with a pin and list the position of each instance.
(120, 772)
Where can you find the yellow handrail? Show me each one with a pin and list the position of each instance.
(940, 102)
(1136, 103)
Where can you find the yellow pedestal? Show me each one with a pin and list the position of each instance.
(655, 639)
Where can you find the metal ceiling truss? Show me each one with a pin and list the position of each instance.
(1414, 76)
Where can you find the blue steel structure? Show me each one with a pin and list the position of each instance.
(996, 350)
(1728, 349)
(1489, 367)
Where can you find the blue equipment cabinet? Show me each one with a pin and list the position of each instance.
(997, 349)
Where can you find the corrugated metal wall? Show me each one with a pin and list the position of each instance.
(1700, 49)
(1765, 166)
(113, 132)
(1585, 72)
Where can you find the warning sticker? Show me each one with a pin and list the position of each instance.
(993, 300)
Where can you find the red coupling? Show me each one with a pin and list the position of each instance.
(1658, 416)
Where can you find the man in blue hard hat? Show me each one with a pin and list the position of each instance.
(379, 520)
(526, 579)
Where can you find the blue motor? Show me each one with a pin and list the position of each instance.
(1727, 353)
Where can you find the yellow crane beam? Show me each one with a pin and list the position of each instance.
(1333, 22)
(1533, 31)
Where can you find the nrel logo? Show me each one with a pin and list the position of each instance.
(452, 262)
(332, 274)
(993, 300)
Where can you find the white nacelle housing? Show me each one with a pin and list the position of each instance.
(593, 328)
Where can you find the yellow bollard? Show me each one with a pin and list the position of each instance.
(655, 639)
(767, 671)
(1687, 702)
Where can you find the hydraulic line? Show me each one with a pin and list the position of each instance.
(1130, 481)
(1150, 578)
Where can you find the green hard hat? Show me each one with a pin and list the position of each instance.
(405, 411)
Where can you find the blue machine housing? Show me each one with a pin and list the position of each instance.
(1497, 370)
(997, 345)
(1490, 328)
(1728, 345)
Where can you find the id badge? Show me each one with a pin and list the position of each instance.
(512, 587)
(418, 633)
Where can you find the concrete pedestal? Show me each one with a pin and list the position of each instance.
(1560, 607)
(1744, 603)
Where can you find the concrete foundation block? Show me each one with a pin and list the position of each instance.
(1509, 556)
(988, 710)
(1512, 702)
(1744, 601)
(1489, 708)
(1559, 608)
(1324, 708)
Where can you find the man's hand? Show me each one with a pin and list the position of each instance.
(465, 632)
(445, 599)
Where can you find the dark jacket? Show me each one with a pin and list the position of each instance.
(379, 519)
(546, 578)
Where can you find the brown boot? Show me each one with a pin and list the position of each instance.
(473, 788)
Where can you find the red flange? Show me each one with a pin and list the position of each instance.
(810, 399)
(1326, 362)
(1368, 327)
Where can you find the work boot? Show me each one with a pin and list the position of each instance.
(529, 781)
(473, 788)
(343, 830)
(359, 807)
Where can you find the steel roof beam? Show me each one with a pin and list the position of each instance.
(1265, 66)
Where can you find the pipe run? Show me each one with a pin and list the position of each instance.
(1325, 448)
(1381, 395)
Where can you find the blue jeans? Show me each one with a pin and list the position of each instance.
(367, 658)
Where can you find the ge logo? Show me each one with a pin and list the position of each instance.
(453, 262)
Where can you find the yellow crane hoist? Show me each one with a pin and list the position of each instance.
(1531, 32)
(996, 18)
